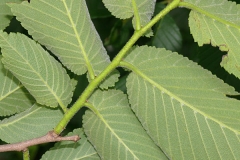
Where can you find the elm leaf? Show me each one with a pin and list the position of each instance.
(36, 69)
(183, 107)
(114, 130)
(32, 123)
(14, 98)
(66, 29)
(5, 12)
(124, 9)
(81, 149)
(217, 23)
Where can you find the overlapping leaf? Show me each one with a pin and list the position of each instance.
(32, 123)
(39, 72)
(217, 22)
(114, 130)
(210, 57)
(65, 28)
(5, 13)
(13, 98)
(72, 150)
(124, 9)
(166, 32)
(182, 106)
(167, 35)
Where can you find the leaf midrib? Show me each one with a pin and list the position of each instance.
(3, 96)
(41, 78)
(22, 117)
(204, 12)
(9, 93)
(161, 88)
(88, 64)
(136, 15)
(113, 132)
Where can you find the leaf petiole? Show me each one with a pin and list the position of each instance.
(136, 15)
(26, 155)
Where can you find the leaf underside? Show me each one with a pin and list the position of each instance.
(183, 107)
(40, 73)
(65, 150)
(68, 32)
(32, 123)
(217, 22)
(5, 13)
(124, 9)
(114, 130)
(14, 98)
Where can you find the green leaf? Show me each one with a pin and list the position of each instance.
(13, 98)
(72, 150)
(124, 9)
(166, 32)
(32, 123)
(183, 107)
(5, 13)
(39, 72)
(217, 22)
(209, 58)
(68, 33)
(114, 130)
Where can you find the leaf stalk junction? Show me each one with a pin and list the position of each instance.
(54, 136)
(113, 65)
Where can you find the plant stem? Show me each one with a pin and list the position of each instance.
(51, 136)
(26, 155)
(113, 65)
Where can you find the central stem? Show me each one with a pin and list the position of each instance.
(113, 65)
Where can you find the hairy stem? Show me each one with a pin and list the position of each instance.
(113, 65)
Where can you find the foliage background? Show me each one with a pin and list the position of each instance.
(172, 33)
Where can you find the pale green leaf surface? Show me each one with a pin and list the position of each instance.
(183, 107)
(39, 72)
(5, 13)
(114, 130)
(66, 150)
(65, 28)
(217, 22)
(209, 58)
(124, 9)
(14, 98)
(34, 122)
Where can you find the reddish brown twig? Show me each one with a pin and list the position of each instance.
(49, 137)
